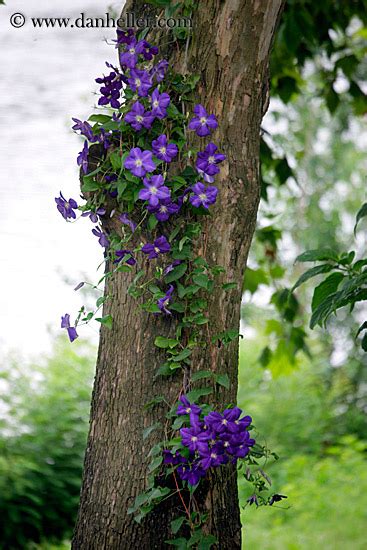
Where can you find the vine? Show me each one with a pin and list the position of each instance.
(150, 186)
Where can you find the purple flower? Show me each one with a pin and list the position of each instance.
(138, 117)
(202, 123)
(187, 408)
(85, 130)
(164, 209)
(276, 498)
(139, 162)
(160, 246)
(65, 323)
(102, 237)
(203, 196)
(93, 216)
(160, 103)
(66, 208)
(170, 267)
(163, 303)
(111, 89)
(207, 162)
(129, 58)
(163, 150)
(159, 70)
(126, 220)
(82, 159)
(124, 36)
(169, 458)
(216, 422)
(140, 82)
(149, 51)
(195, 439)
(191, 474)
(126, 255)
(213, 457)
(252, 500)
(154, 190)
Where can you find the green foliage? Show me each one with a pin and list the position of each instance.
(42, 443)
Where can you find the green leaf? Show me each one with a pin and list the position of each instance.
(106, 321)
(115, 160)
(201, 374)
(201, 280)
(152, 222)
(162, 342)
(229, 286)
(184, 354)
(100, 118)
(180, 543)
(223, 380)
(89, 185)
(317, 255)
(176, 273)
(155, 464)
(317, 270)
(362, 213)
(324, 289)
(176, 524)
(150, 429)
(194, 395)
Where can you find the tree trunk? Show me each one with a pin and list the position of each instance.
(229, 48)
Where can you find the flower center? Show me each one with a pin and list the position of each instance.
(211, 160)
(194, 438)
(163, 209)
(139, 118)
(203, 197)
(156, 249)
(132, 50)
(213, 455)
(224, 422)
(153, 190)
(162, 150)
(155, 103)
(138, 163)
(188, 410)
(203, 120)
(137, 82)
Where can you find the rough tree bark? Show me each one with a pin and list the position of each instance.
(229, 47)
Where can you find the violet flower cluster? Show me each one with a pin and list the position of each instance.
(210, 442)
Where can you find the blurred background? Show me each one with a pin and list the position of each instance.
(306, 390)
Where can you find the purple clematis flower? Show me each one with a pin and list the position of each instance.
(195, 439)
(191, 474)
(169, 458)
(139, 162)
(170, 267)
(186, 407)
(207, 162)
(163, 303)
(124, 218)
(82, 159)
(111, 89)
(140, 82)
(159, 70)
(129, 58)
(164, 209)
(138, 118)
(149, 51)
(124, 36)
(160, 103)
(102, 237)
(66, 208)
(94, 216)
(160, 246)
(85, 130)
(164, 150)
(203, 196)
(202, 123)
(213, 457)
(154, 190)
(127, 254)
(65, 323)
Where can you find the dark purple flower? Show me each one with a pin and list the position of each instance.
(203, 196)
(216, 422)
(195, 439)
(138, 117)
(164, 209)
(85, 130)
(170, 267)
(127, 254)
(213, 457)
(102, 237)
(124, 36)
(169, 458)
(94, 216)
(82, 159)
(129, 57)
(160, 103)
(187, 408)
(252, 500)
(163, 150)
(66, 208)
(154, 190)
(126, 220)
(139, 162)
(111, 89)
(163, 303)
(276, 498)
(149, 51)
(207, 162)
(65, 323)
(159, 70)
(191, 474)
(140, 82)
(160, 246)
(202, 123)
